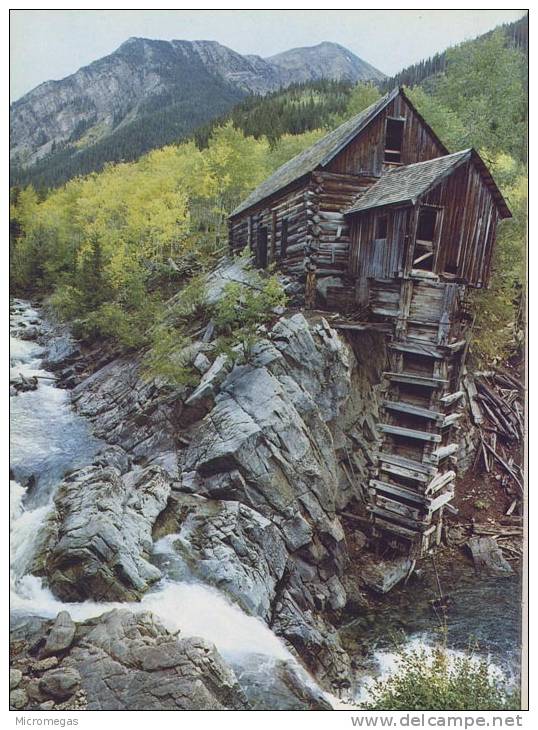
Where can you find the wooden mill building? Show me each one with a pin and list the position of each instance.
(378, 217)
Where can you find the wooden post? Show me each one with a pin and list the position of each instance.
(310, 287)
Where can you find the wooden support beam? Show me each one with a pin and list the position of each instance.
(407, 522)
(410, 433)
(363, 326)
(398, 491)
(418, 348)
(412, 410)
(413, 379)
(450, 419)
(456, 346)
(447, 400)
(442, 452)
(399, 508)
(441, 500)
(403, 462)
(439, 481)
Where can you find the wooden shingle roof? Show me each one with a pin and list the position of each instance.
(405, 185)
(318, 155)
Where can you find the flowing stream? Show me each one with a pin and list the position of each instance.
(48, 439)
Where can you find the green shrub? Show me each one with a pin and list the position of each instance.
(437, 680)
(243, 308)
(67, 302)
(170, 357)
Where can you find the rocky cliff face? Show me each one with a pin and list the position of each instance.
(245, 477)
(198, 80)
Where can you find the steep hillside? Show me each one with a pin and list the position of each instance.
(148, 93)
(517, 36)
(294, 110)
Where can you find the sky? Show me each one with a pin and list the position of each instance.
(51, 44)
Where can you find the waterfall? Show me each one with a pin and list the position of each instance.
(48, 439)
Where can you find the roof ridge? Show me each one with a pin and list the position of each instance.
(407, 183)
(334, 141)
(432, 159)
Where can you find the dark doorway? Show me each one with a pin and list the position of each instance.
(394, 140)
(424, 255)
(284, 238)
(261, 248)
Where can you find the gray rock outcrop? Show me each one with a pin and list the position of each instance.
(230, 546)
(99, 535)
(126, 661)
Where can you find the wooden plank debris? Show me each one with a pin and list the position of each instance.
(488, 558)
(382, 576)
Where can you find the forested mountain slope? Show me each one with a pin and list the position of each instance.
(149, 93)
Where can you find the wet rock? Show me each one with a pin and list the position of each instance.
(22, 384)
(232, 547)
(60, 636)
(15, 676)
(129, 661)
(60, 683)
(18, 699)
(30, 332)
(270, 684)
(99, 535)
(314, 639)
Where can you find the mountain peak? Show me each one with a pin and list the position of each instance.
(193, 81)
(325, 60)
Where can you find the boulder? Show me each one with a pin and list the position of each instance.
(271, 684)
(232, 547)
(382, 575)
(60, 683)
(60, 636)
(22, 384)
(18, 699)
(99, 534)
(488, 557)
(15, 676)
(130, 661)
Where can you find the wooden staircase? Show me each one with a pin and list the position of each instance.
(412, 476)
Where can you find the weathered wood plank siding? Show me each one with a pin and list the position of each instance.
(365, 155)
(373, 257)
(464, 240)
(467, 234)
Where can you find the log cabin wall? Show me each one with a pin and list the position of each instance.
(365, 154)
(287, 217)
(330, 234)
